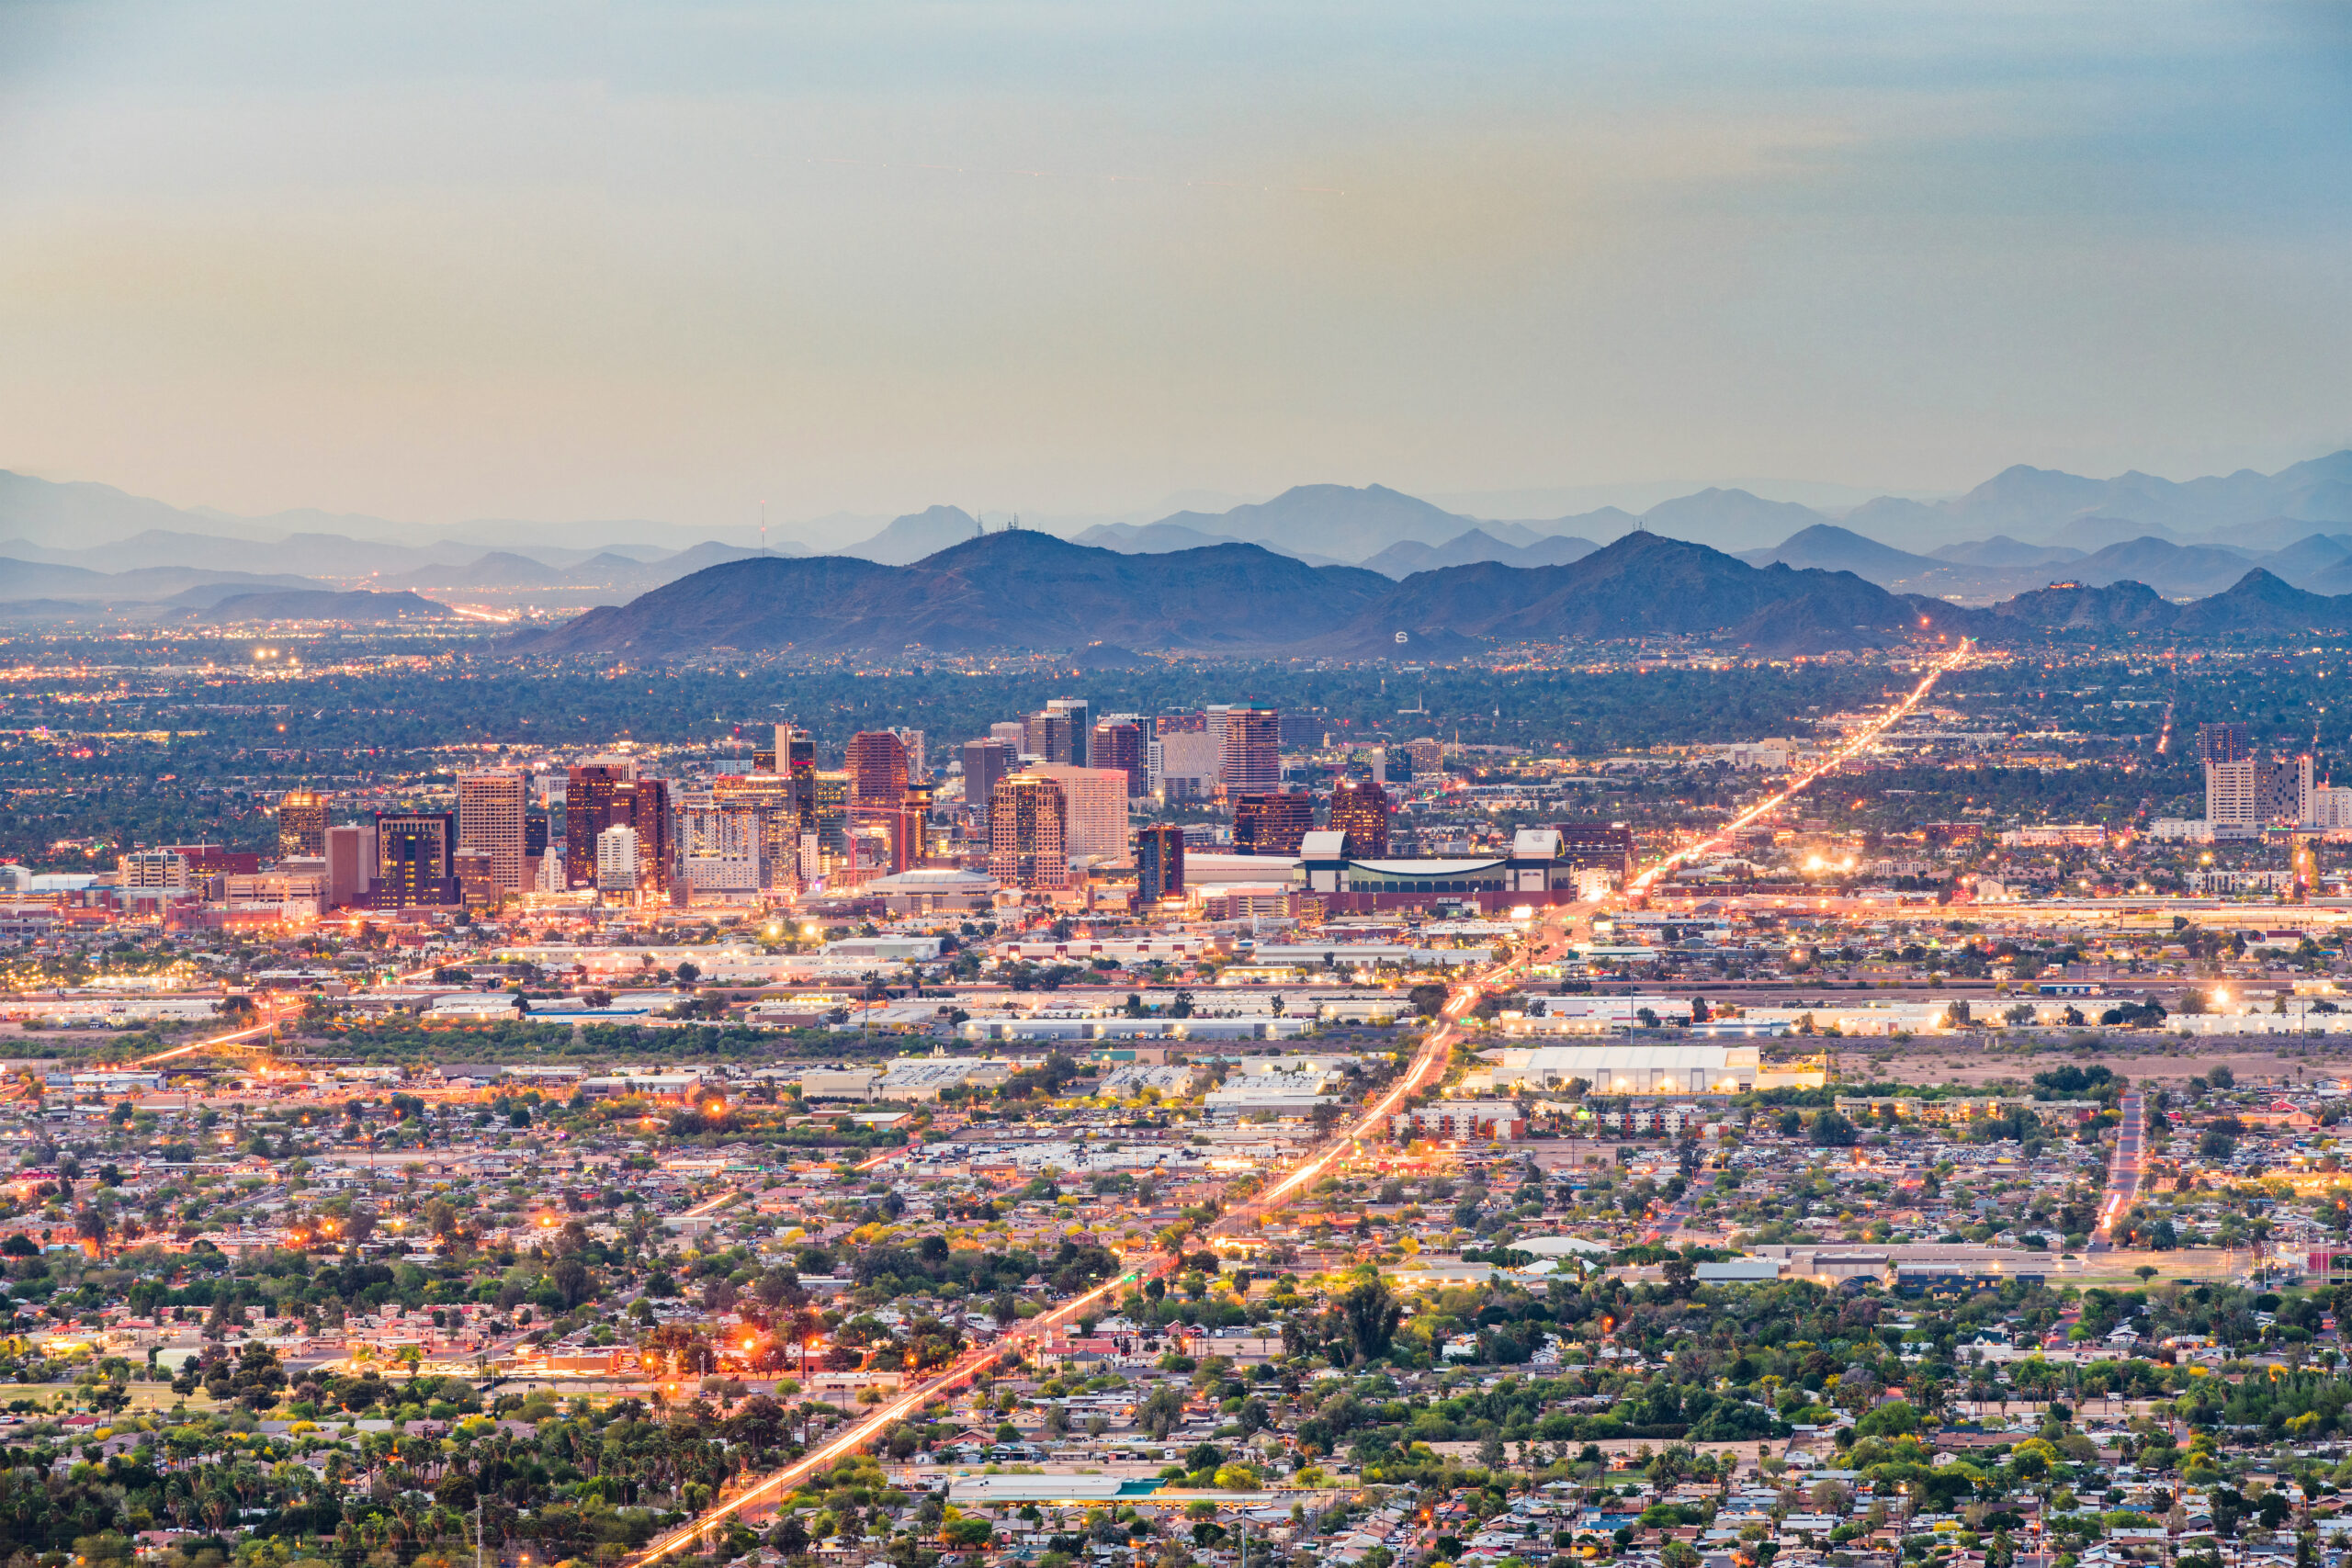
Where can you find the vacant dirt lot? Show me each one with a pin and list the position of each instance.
(2152, 1059)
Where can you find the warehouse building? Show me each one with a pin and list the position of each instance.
(1640, 1069)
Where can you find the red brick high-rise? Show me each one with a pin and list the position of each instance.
(588, 811)
(1274, 823)
(645, 803)
(1159, 861)
(1359, 810)
(877, 770)
(1251, 757)
(1121, 746)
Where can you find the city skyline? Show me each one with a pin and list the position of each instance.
(1415, 970)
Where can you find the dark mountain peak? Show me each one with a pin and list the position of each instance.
(1011, 589)
(1011, 546)
(2261, 586)
(1639, 583)
(1645, 550)
(2261, 603)
(1647, 544)
(2075, 606)
(1835, 548)
(2147, 547)
(1831, 533)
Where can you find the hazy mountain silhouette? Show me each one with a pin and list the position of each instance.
(905, 540)
(2308, 559)
(1402, 560)
(39, 580)
(1150, 538)
(361, 607)
(2175, 570)
(1333, 521)
(1994, 526)
(2001, 552)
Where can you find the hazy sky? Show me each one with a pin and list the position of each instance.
(667, 260)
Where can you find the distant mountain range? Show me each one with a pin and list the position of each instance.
(2002, 567)
(1017, 590)
(2022, 530)
(154, 584)
(359, 607)
(36, 589)
(2021, 521)
(1402, 560)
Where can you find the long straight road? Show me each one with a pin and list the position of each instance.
(777, 1484)
(2123, 1171)
(1426, 1069)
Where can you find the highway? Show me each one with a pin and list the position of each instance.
(1427, 1068)
(780, 1483)
(270, 1012)
(2123, 1171)
(268, 1021)
(1859, 741)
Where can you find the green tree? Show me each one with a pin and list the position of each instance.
(1370, 1312)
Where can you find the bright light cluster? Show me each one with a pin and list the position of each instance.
(1856, 744)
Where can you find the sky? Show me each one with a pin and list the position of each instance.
(676, 261)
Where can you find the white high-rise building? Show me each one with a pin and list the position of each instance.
(1095, 827)
(1184, 762)
(617, 863)
(2230, 792)
(2331, 808)
(160, 871)
(2255, 792)
(718, 846)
